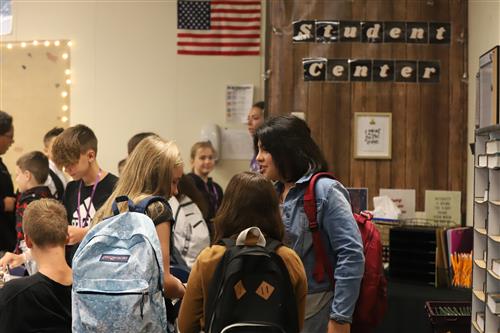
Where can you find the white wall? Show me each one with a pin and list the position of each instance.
(128, 78)
(484, 33)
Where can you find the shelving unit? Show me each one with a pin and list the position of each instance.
(486, 233)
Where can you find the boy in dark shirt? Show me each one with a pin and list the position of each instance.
(41, 302)
(31, 173)
(76, 149)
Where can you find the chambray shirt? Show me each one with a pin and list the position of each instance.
(341, 236)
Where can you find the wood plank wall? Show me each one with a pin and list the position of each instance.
(429, 136)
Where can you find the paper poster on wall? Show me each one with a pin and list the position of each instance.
(236, 144)
(5, 17)
(372, 135)
(239, 100)
(404, 200)
(443, 206)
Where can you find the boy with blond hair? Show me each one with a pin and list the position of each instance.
(41, 302)
(75, 150)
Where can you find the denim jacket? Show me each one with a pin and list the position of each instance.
(342, 240)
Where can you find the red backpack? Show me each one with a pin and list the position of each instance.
(372, 301)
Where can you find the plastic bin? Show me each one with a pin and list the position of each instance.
(449, 316)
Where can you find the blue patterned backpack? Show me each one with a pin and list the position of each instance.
(118, 275)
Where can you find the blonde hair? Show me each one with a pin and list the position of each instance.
(45, 222)
(148, 171)
(200, 145)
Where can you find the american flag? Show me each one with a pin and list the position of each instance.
(218, 27)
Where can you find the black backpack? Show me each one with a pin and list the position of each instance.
(251, 292)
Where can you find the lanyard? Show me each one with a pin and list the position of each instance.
(215, 195)
(84, 223)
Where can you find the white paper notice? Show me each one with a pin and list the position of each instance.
(404, 199)
(443, 206)
(236, 144)
(239, 100)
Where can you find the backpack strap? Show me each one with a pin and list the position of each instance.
(122, 198)
(58, 185)
(321, 258)
(218, 276)
(142, 205)
(272, 244)
(291, 302)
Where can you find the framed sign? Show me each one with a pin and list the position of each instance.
(372, 135)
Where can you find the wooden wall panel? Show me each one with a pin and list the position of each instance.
(429, 120)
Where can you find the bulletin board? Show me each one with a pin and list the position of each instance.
(35, 80)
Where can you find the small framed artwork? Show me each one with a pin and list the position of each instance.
(372, 135)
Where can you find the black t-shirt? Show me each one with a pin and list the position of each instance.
(87, 209)
(35, 304)
(7, 219)
(160, 212)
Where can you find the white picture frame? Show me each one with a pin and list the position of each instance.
(372, 135)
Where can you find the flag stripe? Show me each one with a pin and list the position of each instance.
(233, 53)
(219, 40)
(235, 19)
(212, 35)
(235, 24)
(214, 15)
(236, 11)
(231, 7)
(227, 27)
(216, 44)
(219, 48)
(237, 3)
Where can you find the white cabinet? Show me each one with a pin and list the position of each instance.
(486, 230)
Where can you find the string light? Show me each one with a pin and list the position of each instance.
(65, 56)
(46, 43)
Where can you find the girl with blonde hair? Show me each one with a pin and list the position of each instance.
(153, 169)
